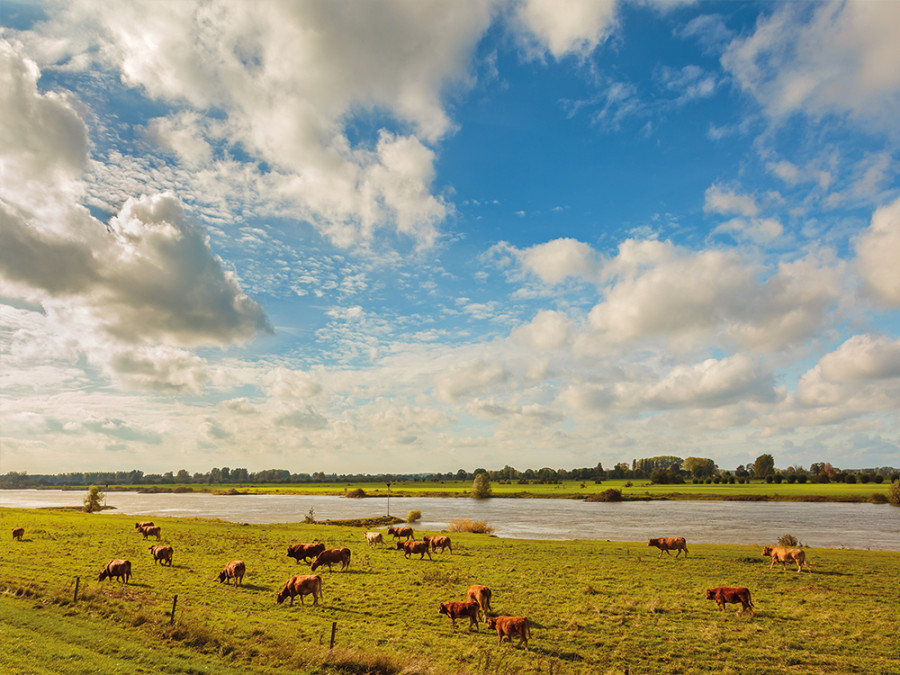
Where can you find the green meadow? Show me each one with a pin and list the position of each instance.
(595, 607)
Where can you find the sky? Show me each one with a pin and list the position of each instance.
(401, 236)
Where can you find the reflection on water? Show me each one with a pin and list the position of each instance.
(832, 525)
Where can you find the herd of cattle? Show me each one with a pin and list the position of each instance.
(478, 597)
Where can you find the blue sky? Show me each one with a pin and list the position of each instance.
(402, 236)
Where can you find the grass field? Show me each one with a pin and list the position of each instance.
(639, 489)
(595, 607)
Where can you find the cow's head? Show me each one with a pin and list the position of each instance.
(282, 594)
(710, 594)
(492, 623)
(767, 550)
(400, 544)
(653, 542)
(103, 575)
(442, 609)
(222, 576)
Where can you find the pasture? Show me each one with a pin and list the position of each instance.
(595, 607)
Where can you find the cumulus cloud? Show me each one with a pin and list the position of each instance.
(724, 201)
(877, 253)
(556, 260)
(576, 30)
(548, 330)
(470, 378)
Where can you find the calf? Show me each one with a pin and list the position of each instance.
(420, 547)
(18, 533)
(481, 595)
(783, 555)
(234, 570)
(162, 554)
(404, 531)
(670, 544)
(373, 538)
(460, 610)
(301, 585)
(439, 540)
(333, 555)
(734, 594)
(304, 551)
(508, 626)
(151, 531)
(120, 569)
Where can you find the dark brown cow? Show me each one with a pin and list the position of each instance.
(151, 531)
(333, 555)
(398, 531)
(420, 547)
(734, 594)
(481, 595)
(304, 551)
(120, 569)
(18, 533)
(144, 523)
(784, 555)
(508, 626)
(234, 570)
(670, 544)
(460, 610)
(439, 540)
(301, 585)
(162, 554)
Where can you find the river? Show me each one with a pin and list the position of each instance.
(815, 524)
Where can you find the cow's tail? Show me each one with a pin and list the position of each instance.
(528, 628)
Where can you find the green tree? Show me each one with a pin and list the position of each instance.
(699, 467)
(894, 493)
(93, 500)
(481, 486)
(764, 466)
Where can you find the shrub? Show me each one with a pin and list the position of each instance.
(413, 516)
(93, 499)
(466, 525)
(610, 495)
(879, 479)
(310, 517)
(894, 493)
(790, 541)
(481, 486)
(878, 498)
(849, 478)
(358, 493)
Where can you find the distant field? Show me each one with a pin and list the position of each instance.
(640, 489)
(595, 607)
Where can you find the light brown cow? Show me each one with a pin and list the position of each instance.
(162, 554)
(301, 585)
(398, 531)
(120, 569)
(143, 524)
(304, 551)
(332, 555)
(508, 626)
(373, 538)
(783, 555)
(151, 531)
(234, 570)
(18, 533)
(460, 610)
(481, 595)
(439, 540)
(734, 594)
(420, 547)
(670, 544)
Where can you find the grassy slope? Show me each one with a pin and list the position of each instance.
(595, 606)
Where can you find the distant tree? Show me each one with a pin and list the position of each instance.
(481, 486)
(699, 466)
(93, 500)
(764, 466)
(894, 493)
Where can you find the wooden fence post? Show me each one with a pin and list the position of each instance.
(333, 629)
(77, 580)
(174, 602)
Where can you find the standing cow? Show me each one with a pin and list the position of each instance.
(301, 585)
(734, 594)
(670, 544)
(508, 626)
(18, 533)
(373, 538)
(398, 531)
(784, 555)
(151, 531)
(234, 570)
(331, 556)
(120, 569)
(162, 554)
(481, 595)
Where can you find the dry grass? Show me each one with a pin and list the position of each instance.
(473, 526)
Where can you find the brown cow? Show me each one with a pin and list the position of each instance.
(735, 594)
(151, 531)
(373, 538)
(18, 533)
(783, 555)
(481, 595)
(233, 570)
(670, 544)
(439, 540)
(420, 547)
(304, 551)
(120, 569)
(162, 554)
(301, 585)
(333, 555)
(507, 626)
(397, 531)
(144, 523)
(460, 610)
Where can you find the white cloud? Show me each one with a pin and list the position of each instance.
(758, 230)
(877, 253)
(547, 331)
(469, 378)
(575, 28)
(559, 259)
(724, 201)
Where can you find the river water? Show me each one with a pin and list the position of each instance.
(816, 524)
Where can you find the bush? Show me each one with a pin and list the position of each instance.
(878, 498)
(790, 541)
(466, 525)
(413, 516)
(359, 493)
(610, 495)
(894, 493)
(879, 479)
(481, 486)
(849, 478)
(93, 499)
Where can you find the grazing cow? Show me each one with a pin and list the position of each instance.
(420, 547)
(18, 533)
(162, 554)
(151, 531)
(735, 594)
(373, 538)
(301, 585)
(398, 531)
(439, 540)
(670, 544)
(234, 570)
(120, 569)
(144, 523)
(460, 610)
(481, 595)
(783, 555)
(332, 555)
(304, 551)
(508, 626)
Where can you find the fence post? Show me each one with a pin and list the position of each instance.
(77, 580)
(333, 629)
(174, 602)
